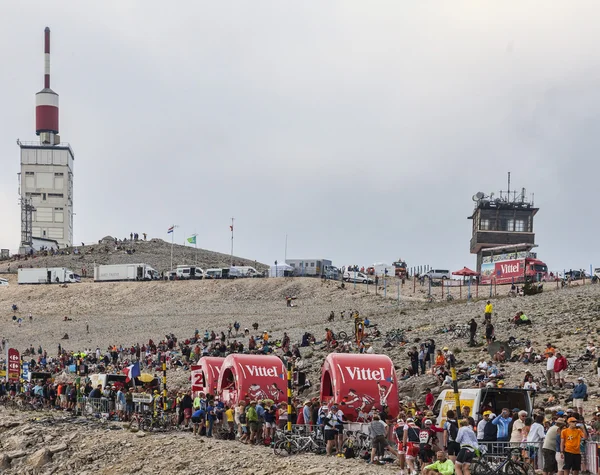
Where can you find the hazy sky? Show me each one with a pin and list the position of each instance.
(359, 129)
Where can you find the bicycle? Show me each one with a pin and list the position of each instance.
(512, 464)
(397, 335)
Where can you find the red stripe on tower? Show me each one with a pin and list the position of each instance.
(46, 101)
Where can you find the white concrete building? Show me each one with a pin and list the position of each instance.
(46, 180)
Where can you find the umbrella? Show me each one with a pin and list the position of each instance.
(466, 272)
(145, 378)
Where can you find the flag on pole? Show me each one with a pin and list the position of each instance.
(132, 371)
(192, 239)
(171, 229)
(231, 228)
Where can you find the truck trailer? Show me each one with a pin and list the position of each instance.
(47, 275)
(309, 267)
(124, 272)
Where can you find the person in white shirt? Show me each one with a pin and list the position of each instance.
(483, 422)
(550, 369)
(536, 433)
(530, 384)
(482, 364)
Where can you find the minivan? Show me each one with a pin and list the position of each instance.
(438, 274)
(359, 277)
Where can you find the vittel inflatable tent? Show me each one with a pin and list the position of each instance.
(252, 377)
(358, 382)
(205, 375)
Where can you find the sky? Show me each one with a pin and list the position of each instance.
(359, 130)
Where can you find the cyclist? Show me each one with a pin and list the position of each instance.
(468, 445)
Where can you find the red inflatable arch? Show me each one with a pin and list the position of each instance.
(358, 382)
(205, 375)
(252, 377)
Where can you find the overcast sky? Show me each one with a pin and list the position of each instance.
(359, 129)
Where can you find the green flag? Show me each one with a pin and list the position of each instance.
(192, 240)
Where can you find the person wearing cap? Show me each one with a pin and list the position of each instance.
(482, 423)
(550, 449)
(579, 394)
(411, 443)
(570, 443)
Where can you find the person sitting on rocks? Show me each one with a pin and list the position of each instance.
(521, 319)
(527, 355)
(500, 355)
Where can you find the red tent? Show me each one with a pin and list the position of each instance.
(466, 272)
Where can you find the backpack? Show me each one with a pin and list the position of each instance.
(424, 439)
(453, 430)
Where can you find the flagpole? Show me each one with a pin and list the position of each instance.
(172, 239)
(231, 258)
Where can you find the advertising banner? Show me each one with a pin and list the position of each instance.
(14, 365)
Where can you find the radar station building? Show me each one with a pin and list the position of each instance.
(502, 224)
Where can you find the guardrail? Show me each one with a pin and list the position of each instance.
(90, 407)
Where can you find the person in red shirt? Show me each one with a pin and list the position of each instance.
(560, 368)
(429, 399)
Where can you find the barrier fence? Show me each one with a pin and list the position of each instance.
(91, 406)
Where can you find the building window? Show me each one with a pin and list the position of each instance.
(58, 209)
(44, 196)
(312, 264)
(29, 173)
(59, 174)
(510, 225)
(55, 195)
(519, 225)
(484, 224)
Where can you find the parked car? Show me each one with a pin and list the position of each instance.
(597, 272)
(358, 277)
(3, 282)
(438, 274)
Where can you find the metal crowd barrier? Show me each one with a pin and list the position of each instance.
(497, 451)
(91, 407)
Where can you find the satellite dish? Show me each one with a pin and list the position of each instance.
(479, 195)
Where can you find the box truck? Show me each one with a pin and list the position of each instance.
(124, 272)
(47, 275)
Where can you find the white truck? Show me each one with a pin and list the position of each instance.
(47, 275)
(124, 272)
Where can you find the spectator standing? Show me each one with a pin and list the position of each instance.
(485, 420)
(549, 447)
(550, 375)
(570, 443)
(489, 308)
(502, 422)
(560, 368)
(579, 394)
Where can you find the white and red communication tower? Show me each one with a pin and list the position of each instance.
(46, 178)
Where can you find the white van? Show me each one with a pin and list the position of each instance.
(438, 274)
(478, 399)
(358, 277)
(213, 274)
(3, 282)
(189, 272)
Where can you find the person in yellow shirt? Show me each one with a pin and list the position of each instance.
(443, 466)
(489, 308)
(570, 443)
(229, 421)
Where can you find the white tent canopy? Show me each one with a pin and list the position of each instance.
(280, 269)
